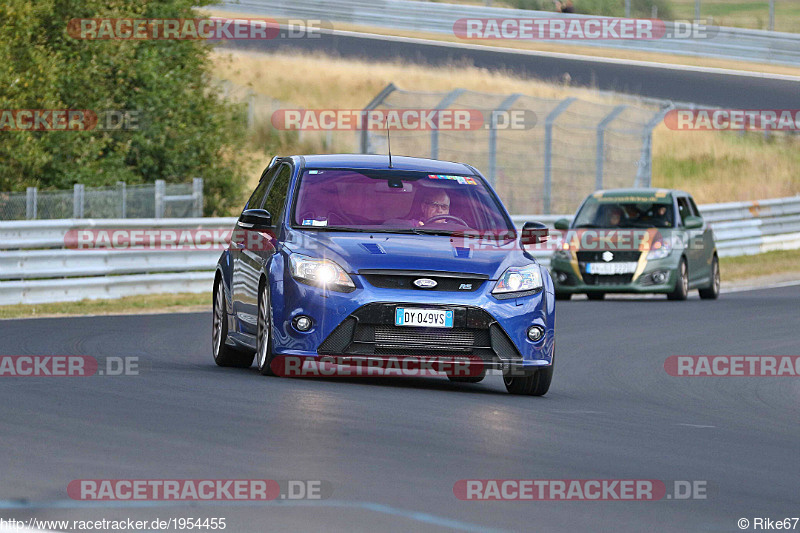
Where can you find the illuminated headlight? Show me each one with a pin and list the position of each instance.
(321, 272)
(660, 249)
(519, 279)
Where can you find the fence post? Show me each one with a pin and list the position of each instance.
(251, 110)
(504, 105)
(364, 133)
(771, 15)
(30, 203)
(444, 104)
(160, 191)
(197, 196)
(123, 205)
(77, 201)
(627, 8)
(548, 151)
(601, 144)
(644, 171)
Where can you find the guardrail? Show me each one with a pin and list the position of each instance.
(37, 265)
(435, 17)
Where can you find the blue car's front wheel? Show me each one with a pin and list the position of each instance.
(534, 384)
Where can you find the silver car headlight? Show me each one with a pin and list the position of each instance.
(519, 279)
(660, 249)
(321, 272)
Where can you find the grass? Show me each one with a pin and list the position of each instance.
(743, 13)
(752, 266)
(151, 303)
(713, 166)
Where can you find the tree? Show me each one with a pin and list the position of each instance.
(185, 130)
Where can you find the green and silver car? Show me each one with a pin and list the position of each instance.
(635, 241)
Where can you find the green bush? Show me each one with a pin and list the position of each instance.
(185, 129)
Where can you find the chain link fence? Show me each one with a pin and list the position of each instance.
(156, 200)
(566, 149)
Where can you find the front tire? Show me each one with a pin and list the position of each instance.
(264, 355)
(596, 295)
(224, 355)
(563, 295)
(712, 291)
(535, 384)
(681, 291)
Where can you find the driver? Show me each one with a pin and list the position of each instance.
(435, 204)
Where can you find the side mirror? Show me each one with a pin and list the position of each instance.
(693, 222)
(534, 233)
(562, 224)
(255, 219)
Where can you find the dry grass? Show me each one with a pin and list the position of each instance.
(724, 166)
(754, 266)
(150, 303)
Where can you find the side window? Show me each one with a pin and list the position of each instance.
(684, 209)
(257, 198)
(695, 210)
(276, 199)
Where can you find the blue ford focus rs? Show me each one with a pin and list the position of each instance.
(360, 258)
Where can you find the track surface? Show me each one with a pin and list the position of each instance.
(392, 449)
(754, 91)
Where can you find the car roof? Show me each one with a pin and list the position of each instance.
(644, 192)
(381, 162)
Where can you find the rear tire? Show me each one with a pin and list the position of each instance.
(681, 291)
(563, 295)
(224, 355)
(596, 295)
(535, 384)
(712, 291)
(264, 355)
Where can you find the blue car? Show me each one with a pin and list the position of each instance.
(356, 258)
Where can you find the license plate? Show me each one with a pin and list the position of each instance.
(609, 269)
(427, 318)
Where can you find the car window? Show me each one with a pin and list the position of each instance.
(259, 195)
(397, 200)
(695, 209)
(276, 198)
(626, 213)
(684, 209)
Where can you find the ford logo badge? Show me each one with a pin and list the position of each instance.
(425, 283)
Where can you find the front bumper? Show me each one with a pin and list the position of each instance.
(569, 277)
(361, 324)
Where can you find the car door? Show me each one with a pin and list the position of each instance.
(239, 242)
(690, 237)
(704, 246)
(258, 250)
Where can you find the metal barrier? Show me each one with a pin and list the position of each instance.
(159, 200)
(722, 42)
(36, 267)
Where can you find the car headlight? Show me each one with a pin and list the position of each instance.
(660, 249)
(519, 279)
(321, 272)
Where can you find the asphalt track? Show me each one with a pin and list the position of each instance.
(392, 449)
(711, 87)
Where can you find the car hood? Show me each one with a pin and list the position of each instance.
(360, 251)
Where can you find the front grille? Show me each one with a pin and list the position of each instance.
(616, 279)
(619, 256)
(404, 279)
(370, 330)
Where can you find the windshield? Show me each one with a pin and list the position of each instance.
(396, 201)
(611, 213)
